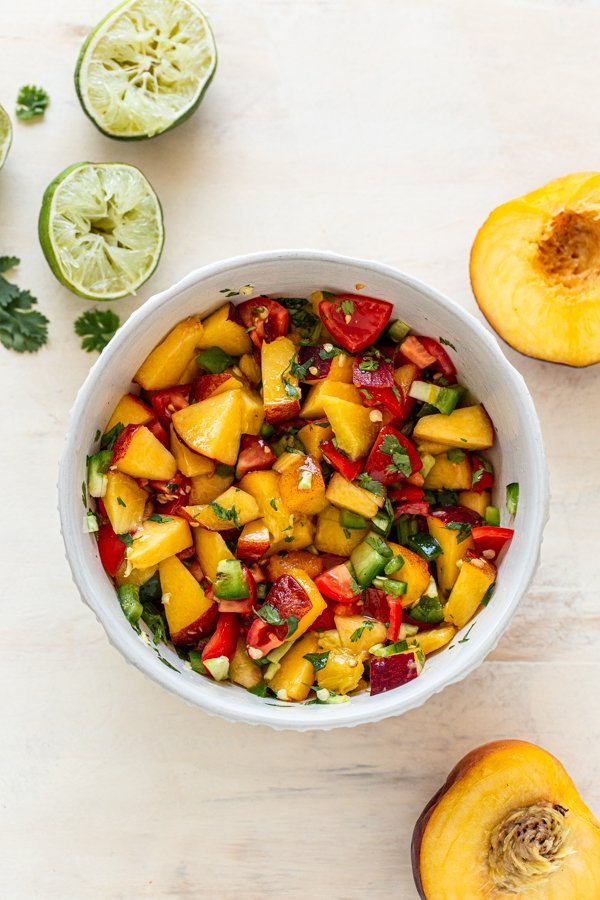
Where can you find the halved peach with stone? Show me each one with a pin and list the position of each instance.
(535, 271)
(507, 823)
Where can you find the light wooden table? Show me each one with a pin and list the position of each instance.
(379, 128)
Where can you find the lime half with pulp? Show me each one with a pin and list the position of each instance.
(145, 67)
(5, 135)
(101, 229)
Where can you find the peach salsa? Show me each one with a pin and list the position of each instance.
(295, 496)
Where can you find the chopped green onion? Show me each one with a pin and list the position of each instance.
(512, 497)
(129, 598)
(389, 649)
(305, 479)
(390, 586)
(397, 331)
(405, 527)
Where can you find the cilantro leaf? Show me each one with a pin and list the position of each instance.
(347, 307)
(463, 530)
(303, 319)
(269, 614)
(31, 102)
(109, 438)
(447, 343)
(400, 460)
(329, 354)
(21, 328)
(223, 512)
(162, 520)
(96, 327)
(369, 484)
(318, 660)
(358, 633)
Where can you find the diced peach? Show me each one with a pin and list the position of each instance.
(313, 407)
(191, 371)
(312, 435)
(468, 428)
(124, 502)
(130, 410)
(188, 462)
(298, 537)
(342, 671)
(208, 487)
(353, 426)
(221, 330)
(211, 549)
(250, 368)
(295, 674)
(240, 506)
(242, 669)
(184, 601)
(431, 447)
(253, 412)
(476, 576)
(414, 572)
(264, 487)
(430, 641)
(137, 577)
(478, 501)
(254, 541)
(358, 634)
(159, 540)
(331, 537)
(318, 604)
(448, 475)
(163, 367)
(210, 385)
(296, 559)
(404, 377)
(212, 427)
(281, 392)
(452, 552)
(139, 454)
(342, 366)
(309, 499)
(347, 495)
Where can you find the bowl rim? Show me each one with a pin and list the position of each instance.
(224, 702)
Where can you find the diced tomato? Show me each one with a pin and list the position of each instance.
(224, 640)
(262, 638)
(490, 539)
(481, 478)
(381, 466)
(173, 508)
(392, 399)
(340, 461)
(355, 322)
(331, 560)
(413, 350)
(443, 363)
(347, 609)
(110, 549)
(267, 319)
(255, 454)
(375, 605)
(325, 621)
(374, 369)
(336, 584)
(166, 402)
(178, 486)
(393, 631)
(158, 431)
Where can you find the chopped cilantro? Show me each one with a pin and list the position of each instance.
(162, 520)
(369, 484)
(447, 343)
(463, 530)
(109, 439)
(318, 660)
(31, 102)
(273, 503)
(358, 633)
(97, 327)
(126, 539)
(400, 460)
(121, 502)
(22, 328)
(223, 512)
(269, 614)
(347, 307)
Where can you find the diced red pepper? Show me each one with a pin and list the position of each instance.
(267, 319)
(340, 462)
(355, 322)
(262, 638)
(169, 400)
(408, 493)
(255, 455)
(380, 465)
(224, 640)
(336, 584)
(420, 508)
(443, 364)
(393, 631)
(413, 350)
(331, 560)
(482, 480)
(374, 369)
(448, 514)
(490, 539)
(110, 549)
(375, 605)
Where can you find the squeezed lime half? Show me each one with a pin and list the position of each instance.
(5, 135)
(144, 69)
(101, 229)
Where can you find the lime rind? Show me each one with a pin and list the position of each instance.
(145, 68)
(101, 229)
(5, 135)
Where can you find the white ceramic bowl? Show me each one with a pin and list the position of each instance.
(517, 456)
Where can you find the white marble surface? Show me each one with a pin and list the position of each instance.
(379, 128)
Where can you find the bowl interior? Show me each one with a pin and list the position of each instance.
(517, 456)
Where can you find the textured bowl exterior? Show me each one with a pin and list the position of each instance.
(518, 456)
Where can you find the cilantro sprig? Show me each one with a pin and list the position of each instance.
(400, 460)
(21, 328)
(31, 102)
(97, 327)
(269, 614)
